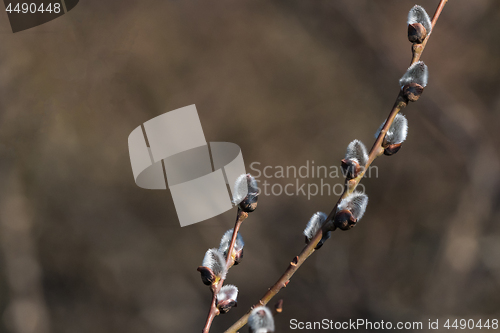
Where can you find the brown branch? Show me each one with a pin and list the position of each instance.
(349, 187)
(240, 217)
(213, 311)
(438, 11)
(376, 150)
(282, 281)
(278, 307)
(417, 49)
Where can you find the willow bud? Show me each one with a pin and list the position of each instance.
(395, 136)
(350, 210)
(213, 267)
(225, 241)
(313, 226)
(416, 73)
(414, 81)
(226, 298)
(246, 193)
(419, 24)
(261, 320)
(355, 159)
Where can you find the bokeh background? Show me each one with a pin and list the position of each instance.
(83, 249)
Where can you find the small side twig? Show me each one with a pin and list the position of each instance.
(278, 307)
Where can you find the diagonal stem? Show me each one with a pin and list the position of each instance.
(417, 49)
(282, 281)
(213, 311)
(349, 187)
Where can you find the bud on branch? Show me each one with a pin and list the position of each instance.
(355, 159)
(316, 223)
(414, 81)
(419, 24)
(261, 320)
(237, 253)
(350, 210)
(226, 298)
(213, 267)
(245, 193)
(395, 136)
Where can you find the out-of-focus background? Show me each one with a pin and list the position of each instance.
(83, 249)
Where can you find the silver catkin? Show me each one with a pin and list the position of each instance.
(314, 224)
(226, 240)
(418, 15)
(214, 259)
(261, 320)
(356, 151)
(355, 203)
(397, 132)
(416, 73)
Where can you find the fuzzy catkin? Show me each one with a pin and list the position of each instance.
(356, 151)
(418, 15)
(244, 185)
(261, 320)
(355, 203)
(314, 224)
(227, 292)
(214, 259)
(397, 132)
(226, 240)
(416, 73)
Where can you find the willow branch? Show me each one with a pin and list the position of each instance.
(282, 281)
(213, 311)
(417, 49)
(350, 185)
(240, 217)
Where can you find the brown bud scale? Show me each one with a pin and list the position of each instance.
(412, 91)
(344, 220)
(207, 275)
(392, 149)
(226, 305)
(249, 204)
(351, 168)
(416, 33)
(238, 256)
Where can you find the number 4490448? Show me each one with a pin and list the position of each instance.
(34, 8)
(471, 324)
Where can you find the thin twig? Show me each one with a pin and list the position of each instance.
(240, 217)
(349, 187)
(213, 311)
(278, 307)
(417, 49)
(282, 281)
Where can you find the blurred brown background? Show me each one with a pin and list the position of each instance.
(83, 249)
